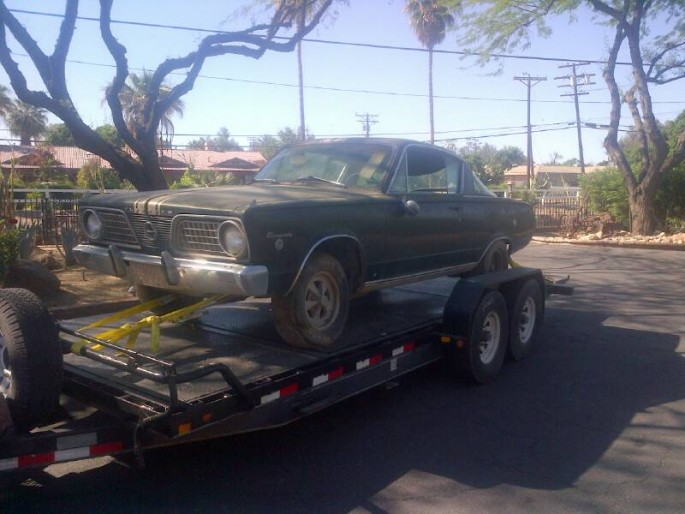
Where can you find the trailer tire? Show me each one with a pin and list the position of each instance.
(481, 358)
(30, 358)
(322, 285)
(525, 319)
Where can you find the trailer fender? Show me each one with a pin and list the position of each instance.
(476, 324)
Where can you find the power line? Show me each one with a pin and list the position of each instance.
(367, 120)
(326, 41)
(573, 83)
(529, 82)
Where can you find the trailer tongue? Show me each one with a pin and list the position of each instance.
(227, 372)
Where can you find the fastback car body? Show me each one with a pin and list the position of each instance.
(321, 222)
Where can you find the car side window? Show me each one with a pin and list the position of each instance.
(427, 171)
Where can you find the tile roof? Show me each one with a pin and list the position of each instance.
(72, 157)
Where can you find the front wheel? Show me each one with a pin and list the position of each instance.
(314, 313)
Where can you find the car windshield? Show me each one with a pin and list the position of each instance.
(341, 164)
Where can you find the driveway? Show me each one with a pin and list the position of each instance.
(591, 421)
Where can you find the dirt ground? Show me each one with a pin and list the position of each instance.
(83, 291)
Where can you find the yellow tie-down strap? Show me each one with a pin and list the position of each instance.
(131, 330)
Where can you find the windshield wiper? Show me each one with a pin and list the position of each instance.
(312, 178)
(269, 180)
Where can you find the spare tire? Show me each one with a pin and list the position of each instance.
(30, 358)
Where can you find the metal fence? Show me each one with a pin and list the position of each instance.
(51, 217)
(55, 212)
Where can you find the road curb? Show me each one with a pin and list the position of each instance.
(612, 244)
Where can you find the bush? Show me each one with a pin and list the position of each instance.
(605, 192)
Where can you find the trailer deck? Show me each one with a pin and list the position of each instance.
(226, 371)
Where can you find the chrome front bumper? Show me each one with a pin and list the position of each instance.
(187, 276)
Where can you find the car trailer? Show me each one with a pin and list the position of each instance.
(93, 386)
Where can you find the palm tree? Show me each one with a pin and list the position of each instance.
(26, 121)
(133, 97)
(5, 101)
(430, 19)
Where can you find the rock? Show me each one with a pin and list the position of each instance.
(46, 258)
(33, 276)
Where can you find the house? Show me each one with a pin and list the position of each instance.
(33, 163)
(548, 175)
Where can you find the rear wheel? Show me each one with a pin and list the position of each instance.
(480, 359)
(30, 358)
(525, 319)
(314, 314)
(497, 259)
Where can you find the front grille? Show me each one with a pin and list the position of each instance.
(193, 235)
(117, 228)
(162, 231)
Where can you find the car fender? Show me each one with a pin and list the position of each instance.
(506, 240)
(324, 241)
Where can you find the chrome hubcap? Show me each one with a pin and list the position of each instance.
(321, 301)
(5, 368)
(490, 337)
(527, 320)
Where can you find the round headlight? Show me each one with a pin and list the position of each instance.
(92, 224)
(233, 240)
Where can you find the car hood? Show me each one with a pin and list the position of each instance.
(224, 200)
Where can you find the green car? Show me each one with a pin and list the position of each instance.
(320, 223)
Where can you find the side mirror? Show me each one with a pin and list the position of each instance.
(410, 207)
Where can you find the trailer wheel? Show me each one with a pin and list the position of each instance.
(525, 319)
(314, 314)
(30, 358)
(481, 358)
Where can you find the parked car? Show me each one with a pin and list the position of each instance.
(320, 223)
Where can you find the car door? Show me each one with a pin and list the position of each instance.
(425, 221)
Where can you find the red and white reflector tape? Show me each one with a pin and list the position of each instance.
(47, 458)
(371, 361)
(284, 391)
(403, 349)
(327, 377)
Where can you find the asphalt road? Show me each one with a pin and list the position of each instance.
(591, 421)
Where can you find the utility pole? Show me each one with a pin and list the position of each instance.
(529, 82)
(367, 120)
(573, 83)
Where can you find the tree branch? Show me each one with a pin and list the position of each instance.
(611, 140)
(631, 101)
(118, 53)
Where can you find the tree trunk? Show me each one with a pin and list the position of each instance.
(643, 218)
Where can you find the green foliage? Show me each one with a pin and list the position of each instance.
(489, 162)
(671, 198)
(110, 134)
(69, 237)
(93, 176)
(222, 142)
(58, 134)
(605, 191)
(430, 20)
(10, 248)
(269, 145)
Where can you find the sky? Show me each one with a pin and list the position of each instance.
(255, 97)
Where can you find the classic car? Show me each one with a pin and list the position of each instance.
(321, 222)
